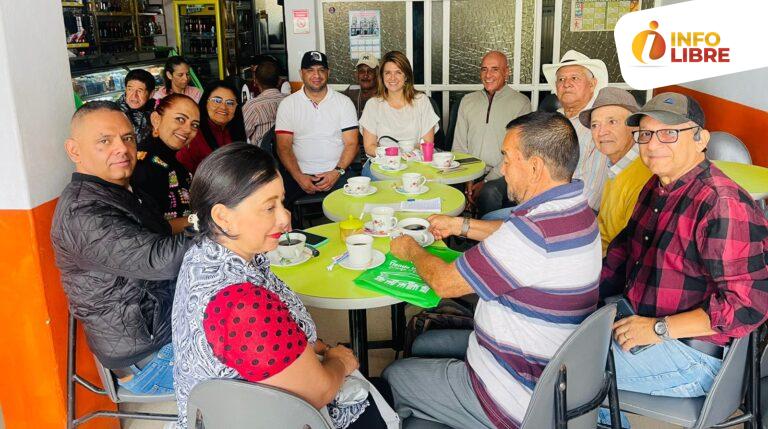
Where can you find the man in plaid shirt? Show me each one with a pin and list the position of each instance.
(691, 261)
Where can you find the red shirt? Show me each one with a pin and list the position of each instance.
(699, 242)
(191, 156)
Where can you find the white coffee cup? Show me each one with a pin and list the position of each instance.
(412, 182)
(392, 162)
(415, 227)
(380, 152)
(407, 145)
(360, 248)
(357, 185)
(442, 159)
(383, 219)
(295, 249)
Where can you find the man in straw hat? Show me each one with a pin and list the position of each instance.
(626, 173)
(576, 79)
(691, 263)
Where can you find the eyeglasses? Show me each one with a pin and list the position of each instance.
(219, 100)
(667, 136)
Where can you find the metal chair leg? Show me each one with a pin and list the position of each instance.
(71, 347)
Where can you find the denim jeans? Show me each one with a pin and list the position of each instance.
(367, 171)
(668, 369)
(500, 214)
(156, 377)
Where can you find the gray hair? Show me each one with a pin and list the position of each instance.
(550, 136)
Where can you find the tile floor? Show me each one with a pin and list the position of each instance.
(333, 327)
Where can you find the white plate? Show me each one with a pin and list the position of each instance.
(371, 190)
(368, 229)
(454, 164)
(277, 261)
(377, 258)
(401, 168)
(424, 189)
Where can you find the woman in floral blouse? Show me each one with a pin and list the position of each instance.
(158, 173)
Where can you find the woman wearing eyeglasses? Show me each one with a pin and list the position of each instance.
(175, 123)
(221, 123)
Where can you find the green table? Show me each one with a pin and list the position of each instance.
(753, 178)
(462, 175)
(336, 289)
(338, 206)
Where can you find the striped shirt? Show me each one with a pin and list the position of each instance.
(592, 168)
(259, 114)
(537, 278)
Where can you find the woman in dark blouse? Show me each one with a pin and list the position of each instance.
(174, 124)
(221, 123)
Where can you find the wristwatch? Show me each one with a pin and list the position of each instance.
(661, 328)
(465, 227)
(340, 170)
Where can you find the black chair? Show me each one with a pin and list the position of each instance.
(549, 103)
(453, 116)
(111, 389)
(440, 140)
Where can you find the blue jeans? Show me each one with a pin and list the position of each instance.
(669, 369)
(500, 214)
(367, 171)
(156, 378)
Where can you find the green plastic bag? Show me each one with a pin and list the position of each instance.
(398, 278)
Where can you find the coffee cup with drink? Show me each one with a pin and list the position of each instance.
(442, 159)
(358, 185)
(416, 228)
(291, 245)
(392, 158)
(360, 248)
(412, 182)
(383, 220)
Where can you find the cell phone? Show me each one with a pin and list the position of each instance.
(624, 309)
(470, 160)
(313, 240)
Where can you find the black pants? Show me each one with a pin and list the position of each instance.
(293, 191)
(371, 418)
(492, 197)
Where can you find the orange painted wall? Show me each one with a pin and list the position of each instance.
(33, 314)
(747, 123)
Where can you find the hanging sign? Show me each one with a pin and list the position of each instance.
(300, 21)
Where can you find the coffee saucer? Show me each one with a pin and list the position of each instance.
(429, 238)
(454, 164)
(423, 190)
(278, 261)
(377, 258)
(371, 190)
(401, 168)
(368, 229)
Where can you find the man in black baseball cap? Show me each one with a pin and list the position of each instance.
(690, 262)
(313, 58)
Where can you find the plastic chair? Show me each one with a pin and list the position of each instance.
(440, 134)
(238, 404)
(725, 397)
(111, 389)
(576, 374)
(453, 116)
(723, 146)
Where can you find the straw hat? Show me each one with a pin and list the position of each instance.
(574, 58)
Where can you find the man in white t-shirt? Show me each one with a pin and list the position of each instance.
(316, 132)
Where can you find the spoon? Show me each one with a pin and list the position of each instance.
(288, 237)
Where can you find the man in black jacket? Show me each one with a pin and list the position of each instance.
(117, 256)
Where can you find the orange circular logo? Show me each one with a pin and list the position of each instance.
(658, 45)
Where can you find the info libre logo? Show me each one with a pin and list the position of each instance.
(650, 46)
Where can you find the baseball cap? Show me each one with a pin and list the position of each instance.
(368, 59)
(609, 96)
(312, 58)
(670, 108)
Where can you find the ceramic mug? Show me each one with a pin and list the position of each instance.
(293, 250)
(416, 228)
(412, 182)
(383, 219)
(360, 248)
(357, 185)
(442, 159)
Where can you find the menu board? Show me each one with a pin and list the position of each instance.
(600, 15)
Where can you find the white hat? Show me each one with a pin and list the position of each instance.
(368, 59)
(574, 58)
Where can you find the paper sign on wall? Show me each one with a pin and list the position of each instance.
(600, 15)
(300, 21)
(364, 33)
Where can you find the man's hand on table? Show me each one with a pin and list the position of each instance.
(635, 331)
(442, 226)
(327, 180)
(403, 247)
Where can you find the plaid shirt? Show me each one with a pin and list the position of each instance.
(699, 242)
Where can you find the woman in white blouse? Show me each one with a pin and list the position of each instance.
(398, 111)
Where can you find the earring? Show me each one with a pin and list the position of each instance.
(155, 133)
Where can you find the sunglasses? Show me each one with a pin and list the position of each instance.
(219, 100)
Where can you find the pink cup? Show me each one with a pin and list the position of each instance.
(427, 150)
(392, 151)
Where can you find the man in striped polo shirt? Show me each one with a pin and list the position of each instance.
(535, 273)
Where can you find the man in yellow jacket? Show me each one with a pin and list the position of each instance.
(627, 174)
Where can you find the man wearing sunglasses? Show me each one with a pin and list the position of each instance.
(691, 261)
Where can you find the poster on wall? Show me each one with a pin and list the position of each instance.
(300, 21)
(600, 15)
(364, 33)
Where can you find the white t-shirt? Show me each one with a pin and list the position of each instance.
(316, 128)
(408, 123)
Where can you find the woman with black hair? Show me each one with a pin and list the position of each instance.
(233, 318)
(176, 76)
(221, 123)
